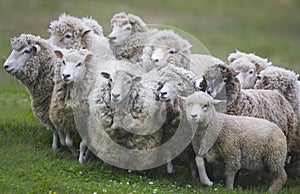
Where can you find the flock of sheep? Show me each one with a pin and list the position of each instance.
(139, 78)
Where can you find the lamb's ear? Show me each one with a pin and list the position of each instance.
(58, 53)
(232, 57)
(216, 102)
(183, 98)
(105, 75)
(88, 58)
(85, 32)
(36, 49)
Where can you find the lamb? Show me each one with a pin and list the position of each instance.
(129, 36)
(167, 47)
(222, 84)
(78, 33)
(242, 142)
(73, 82)
(32, 62)
(248, 66)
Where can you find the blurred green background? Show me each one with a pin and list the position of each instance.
(270, 28)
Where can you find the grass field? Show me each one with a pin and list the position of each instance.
(270, 28)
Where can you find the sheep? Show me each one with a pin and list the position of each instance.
(78, 33)
(248, 66)
(73, 82)
(32, 62)
(282, 80)
(241, 142)
(129, 36)
(167, 47)
(221, 83)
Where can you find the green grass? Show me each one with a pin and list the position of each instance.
(269, 28)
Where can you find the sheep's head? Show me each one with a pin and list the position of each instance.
(121, 84)
(73, 67)
(248, 66)
(123, 26)
(24, 49)
(169, 48)
(70, 32)
(176, 81)
(199, 107)
(276, 78)
(216, 78)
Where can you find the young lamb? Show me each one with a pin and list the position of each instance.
(221, 83)
(73, 82)
(32, 62)
(248, 66)
(241, 142)
(129, 36)
(78, 33)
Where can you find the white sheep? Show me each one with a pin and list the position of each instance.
(78, 33)
(73, 81)
(166, 47)
(241, 142)
(129, 36)
(221, 83)
(248, 66)
(32, 62)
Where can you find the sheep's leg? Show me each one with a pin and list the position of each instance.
(202, 172)
(279, 179)
(61, 137)
(230, 173)
(54, 140)
(192, 162)
(170, 168)
(69, 143)
(83, 152)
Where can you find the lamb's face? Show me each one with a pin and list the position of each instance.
(198, 108)
(121, 84)
(121, 30)
(18, 58)
(73, 66)
(247, 72)
(161, 54)
(172, 88)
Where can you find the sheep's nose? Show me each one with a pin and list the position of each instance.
(112, 38)
(194, 115)
(66, 76)
(115, 95)
(6, 66)
(208, 91)
(155, 60)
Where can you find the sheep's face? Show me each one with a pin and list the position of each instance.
(215, 83)
(247, 72)
(73, 66)
(171, 89)
(18, 58)
(199, 108)
(121, 84)
(120, 32)
(161, 54)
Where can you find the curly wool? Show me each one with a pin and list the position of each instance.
(37, 75)
(265, 104)
(132, 48)
(282, 80)
(170, 40)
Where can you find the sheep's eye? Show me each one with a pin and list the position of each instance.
(128, 82)
(27, 51)
(225, 79)
(251, 72)
(180, 84)
(79, 64)
(128, 28)
(172, 52)
(110, 80)
(68, 36)
(64, 62)
(205, 106)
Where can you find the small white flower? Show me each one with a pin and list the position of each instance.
(215, 189)
(94, 192)
(104, 190)
(154, 190)
(151, 183)
(189, 186)
(127, 183)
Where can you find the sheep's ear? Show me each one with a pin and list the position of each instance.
(216, 102)
(236, 73)
(36, 49)
(88, 58)
(85, 32)
(182, 97)
(232, 57)
(105, 75)
(58, 53)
